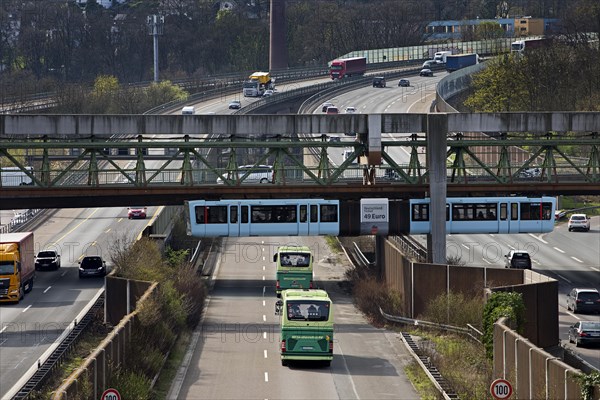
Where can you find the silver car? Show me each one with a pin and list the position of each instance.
(256, 174)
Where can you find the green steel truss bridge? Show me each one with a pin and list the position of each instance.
(119, 160)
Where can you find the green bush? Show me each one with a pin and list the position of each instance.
(131, 385)
(502, 304)
(454, 309)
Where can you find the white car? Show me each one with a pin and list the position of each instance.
(350, 110)
(268, 93)
(259, 174)
(326, 105)
(579, 222)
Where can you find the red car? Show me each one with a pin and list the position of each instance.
(136, 212)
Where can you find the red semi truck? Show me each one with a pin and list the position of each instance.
(17, 269)
(343, 67)
(523, 46)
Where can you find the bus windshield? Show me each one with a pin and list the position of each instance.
(307, 310)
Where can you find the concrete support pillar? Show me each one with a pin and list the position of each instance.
(380, 254)
(278, 56)
(437, 129)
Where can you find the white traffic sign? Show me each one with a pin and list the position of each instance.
(111, 394)
(501, 389)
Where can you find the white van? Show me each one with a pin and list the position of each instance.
(188, 110)
(13, 176)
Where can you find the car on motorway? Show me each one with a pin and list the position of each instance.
(258, 174)
(350, 110)
(584, 300)
(518, 259)
(404, 82)
(335, 139)
(47, 259)
(379, 81)
(92, 266)
(326, 105)
(332, 110)
(426, 72)
(428, 64)
(136, 212)
(235, 105)
(584, 332)
(579, 222)
(268, 92)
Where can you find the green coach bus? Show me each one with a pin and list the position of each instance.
(294, 268)
(306, 325)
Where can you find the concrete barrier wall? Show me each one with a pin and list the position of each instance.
(533, 372)
(112, 352)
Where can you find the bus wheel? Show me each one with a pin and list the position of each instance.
(284, 363)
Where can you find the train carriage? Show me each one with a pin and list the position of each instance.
(282, 217)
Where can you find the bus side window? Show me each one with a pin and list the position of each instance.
(314, 213)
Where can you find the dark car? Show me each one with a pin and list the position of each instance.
(584, 332)
(584, 300)
(47, 259)
(518, 259)
(404, 82)
(136, 213)
(92, 266)
(379, 81)
(426, 72)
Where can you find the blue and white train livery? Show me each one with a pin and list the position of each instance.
(488, 215)
(282, 217)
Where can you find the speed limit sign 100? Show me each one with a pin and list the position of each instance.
(111, 394)
(501, 389)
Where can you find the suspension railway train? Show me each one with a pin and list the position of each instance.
(309, 217)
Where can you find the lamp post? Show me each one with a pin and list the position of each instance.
(155, 25)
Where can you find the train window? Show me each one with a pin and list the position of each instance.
(462, 212)
(233, 214)
(200, 214)
(535, 211)
(514, 211)
(314, 213)
(420, 212)
(329, 213)
(503, 211)
(244, 214)
(270, 214)
(216, 215)
(303, 213)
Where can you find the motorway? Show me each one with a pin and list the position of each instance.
(251, 368)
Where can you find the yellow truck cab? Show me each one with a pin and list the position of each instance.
(306, 325)
(294, 266)
(17, 269)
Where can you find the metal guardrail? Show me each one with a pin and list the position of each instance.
(53, 358)
(432, 372)
(19, 220)
(410, 247)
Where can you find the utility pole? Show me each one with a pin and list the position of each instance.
(155, 25)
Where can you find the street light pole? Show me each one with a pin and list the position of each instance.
(155, 25)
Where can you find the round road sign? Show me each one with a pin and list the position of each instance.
(501, 389)
(111, 394)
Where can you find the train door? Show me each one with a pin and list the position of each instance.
(513, 217)
(244, 218)
(303, 220)
(313, 220)
(503, 218)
